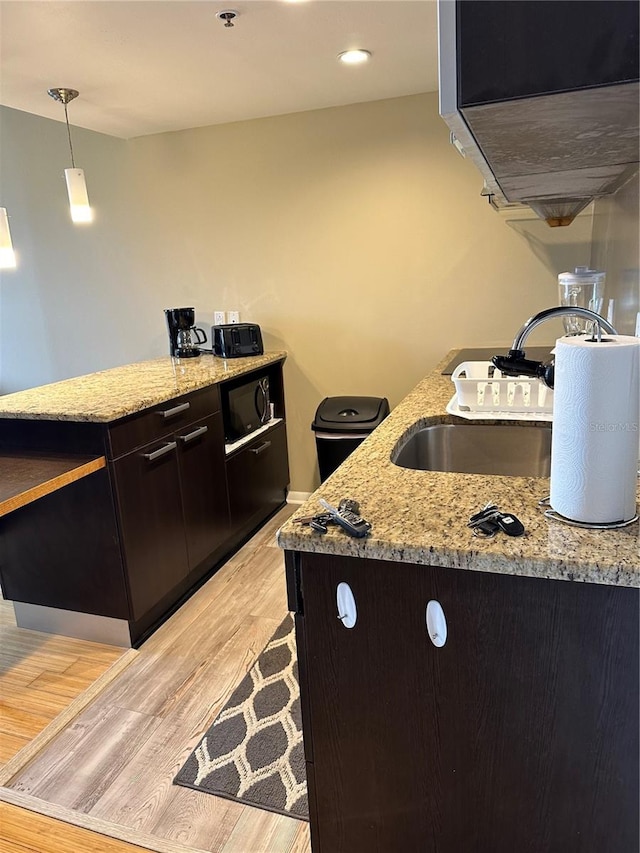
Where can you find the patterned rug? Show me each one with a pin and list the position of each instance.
(253, 751)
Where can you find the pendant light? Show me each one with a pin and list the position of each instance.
(7, 255)
(76, 186)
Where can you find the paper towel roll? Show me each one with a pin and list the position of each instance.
(594, 441)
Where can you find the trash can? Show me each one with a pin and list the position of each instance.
(341, 424)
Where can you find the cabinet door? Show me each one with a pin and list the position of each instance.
(537, 711)
(512, 50)
(257, 477)
(147, 488)
(204, 487)
(371, 737)
(520, 733)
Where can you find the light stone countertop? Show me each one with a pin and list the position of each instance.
(120, 391)
(420, 516)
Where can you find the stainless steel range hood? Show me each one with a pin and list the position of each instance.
(553, 152)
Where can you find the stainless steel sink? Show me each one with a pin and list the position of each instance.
(522, 450)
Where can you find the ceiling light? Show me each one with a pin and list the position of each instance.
(76, 185)
(354, 57)
(7, 255)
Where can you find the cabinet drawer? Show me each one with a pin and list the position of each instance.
(258, 476)
(162, 420)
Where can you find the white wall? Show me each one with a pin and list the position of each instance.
(616, 249)
(61, 309)
(355, 236)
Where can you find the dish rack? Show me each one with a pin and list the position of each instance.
(481, 387)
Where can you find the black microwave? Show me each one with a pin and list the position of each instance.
(246, 407)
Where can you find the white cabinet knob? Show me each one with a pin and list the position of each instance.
(346, 603)
(436, 624)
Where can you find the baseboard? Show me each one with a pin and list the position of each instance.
(298, 497)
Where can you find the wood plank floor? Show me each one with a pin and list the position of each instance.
(26, 832)
(116, 761)
(40, 674)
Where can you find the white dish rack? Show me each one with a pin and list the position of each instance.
(481, 388)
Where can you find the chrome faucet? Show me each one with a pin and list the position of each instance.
(516, 363)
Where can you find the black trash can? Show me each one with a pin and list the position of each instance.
(341, 424)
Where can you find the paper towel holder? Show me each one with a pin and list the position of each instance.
(594, 525)
(515, 362)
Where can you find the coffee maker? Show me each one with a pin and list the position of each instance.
(184, 336)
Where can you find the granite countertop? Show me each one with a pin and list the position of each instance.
(420, 516)
(120, 391)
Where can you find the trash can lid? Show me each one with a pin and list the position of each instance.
(350, 414)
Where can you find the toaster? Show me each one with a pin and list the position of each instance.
(234, 340)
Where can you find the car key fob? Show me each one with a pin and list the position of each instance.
(509, 524)
(346, 504)
(351, 523)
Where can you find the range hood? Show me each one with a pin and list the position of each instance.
(554, 151)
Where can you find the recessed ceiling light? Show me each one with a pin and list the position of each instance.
(354, 57)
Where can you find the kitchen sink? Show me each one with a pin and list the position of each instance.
(522, 450)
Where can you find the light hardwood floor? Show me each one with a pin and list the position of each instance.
(114, 764)
(26, 832)
(40, 674)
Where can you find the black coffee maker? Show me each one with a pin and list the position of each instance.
(184, 336)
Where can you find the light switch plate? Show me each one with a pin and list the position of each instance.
(234, 316)
(219, 318)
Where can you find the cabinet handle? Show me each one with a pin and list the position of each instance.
(169, 413)
(191, 435)
(263, 446)
(436, 623)
(161, 451)
(346, 604)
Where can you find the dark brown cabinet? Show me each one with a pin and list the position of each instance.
(63, 551)
(542, 96)
(131, 540)
(147, 489)
(172, 504)
(519, 733)
(203, 488)
(170, 496)
(258, 476)
(510, 50)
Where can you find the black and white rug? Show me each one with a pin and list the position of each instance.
(253, 751)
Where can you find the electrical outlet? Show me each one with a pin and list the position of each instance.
(234, 316)
(219, 318)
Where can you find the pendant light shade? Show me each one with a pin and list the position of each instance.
(7, 255)
(76, 185)
(78, 198)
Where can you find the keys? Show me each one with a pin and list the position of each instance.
(349, 521)
(486, 528)
(347, 505)
(307, 519)
(489, 520)
(346, 516)
(485, 512)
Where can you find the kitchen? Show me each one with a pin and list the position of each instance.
(313, 224)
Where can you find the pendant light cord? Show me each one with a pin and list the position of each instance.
(73, 165)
